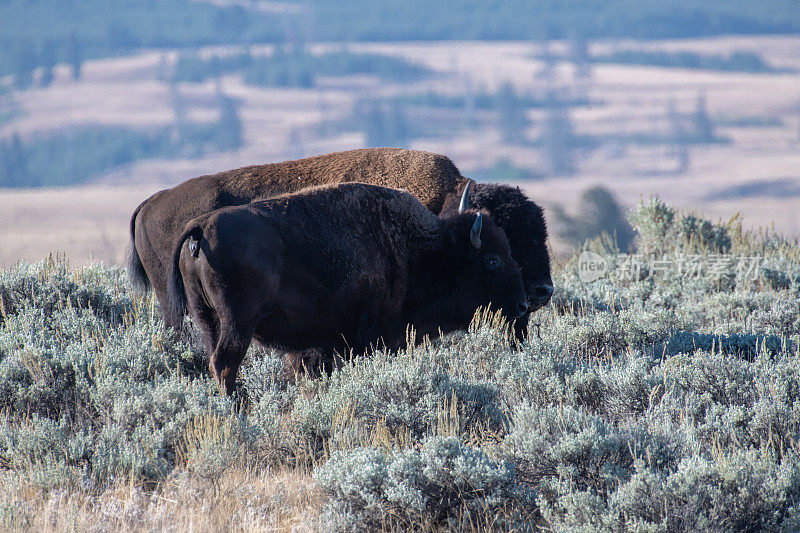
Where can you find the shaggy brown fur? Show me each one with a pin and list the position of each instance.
(433, 179)
(336, 268)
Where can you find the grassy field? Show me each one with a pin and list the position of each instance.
(646, 400)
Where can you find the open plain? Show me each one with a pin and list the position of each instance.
(756, 171)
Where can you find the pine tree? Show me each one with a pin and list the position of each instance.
(13, 163)
(703, 128)
(24, 63)
(469, 101)
(180, 131)
(513, 120)
(549, 61)
(74, 51)
(48, 62)
(374, 126)
(558, 139)
(678, 138)
(397, 125)
(229, 127)
(296, 148)
(579, 55)
(598, 213)
(601, 213)
(386, 125)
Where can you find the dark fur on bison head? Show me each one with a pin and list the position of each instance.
(524, 225)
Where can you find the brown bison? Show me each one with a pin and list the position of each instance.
(336, 268)
(433, 179)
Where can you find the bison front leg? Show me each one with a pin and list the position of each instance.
(520, 328)
(229, 353)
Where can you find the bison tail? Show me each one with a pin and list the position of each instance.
(136, 272)
(175, 288)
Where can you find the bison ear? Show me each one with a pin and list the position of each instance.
(464, 198)
(475, 232)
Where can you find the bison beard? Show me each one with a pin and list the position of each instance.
(431, 178)
(335, 269)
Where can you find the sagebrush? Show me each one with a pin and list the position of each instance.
(654, 403)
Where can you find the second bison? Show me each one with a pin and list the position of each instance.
(432, 178)
(337, 268)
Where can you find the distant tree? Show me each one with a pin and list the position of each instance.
(231, 21)
(48, 62)
(163, 66)
(374, 126)
(678, 137)
(386, 125)
(180, 127)
(13, 163)
(24, 63)
(296, 148)
(602, 213)
(579, 55)
(119, 37)
(397, 125)
(701, 122)
(300, 68)
(513, 120)
(229, 126)
(582, 64)
(469, 102)
(558, 138)
(598, 213)
(74, 53)
(286, 68)
(190, 67)
(549, 61)
(505, 170)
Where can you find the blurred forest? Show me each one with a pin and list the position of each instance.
(40, 30)
(581, 103)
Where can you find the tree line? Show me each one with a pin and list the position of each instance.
(78, 155)
(294, 66)
(112, 27)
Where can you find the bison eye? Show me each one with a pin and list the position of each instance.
(493, 262)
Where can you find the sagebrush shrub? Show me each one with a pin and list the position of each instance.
(435, 485)
(649, 403)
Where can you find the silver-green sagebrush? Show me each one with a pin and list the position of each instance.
(655, 403)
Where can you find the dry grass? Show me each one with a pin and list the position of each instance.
(255, 494)
(84, 222)
(246, 498)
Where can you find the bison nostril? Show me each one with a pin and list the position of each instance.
(522, 308)
(541, 293)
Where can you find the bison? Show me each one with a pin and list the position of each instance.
(336, 268)
(433, 179)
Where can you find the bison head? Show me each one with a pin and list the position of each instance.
(524, 225)
(482, 270)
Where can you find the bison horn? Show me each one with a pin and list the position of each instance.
(464, 198)
(475, 232)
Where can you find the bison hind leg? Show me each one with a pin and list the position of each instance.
(228, 355)
(313, 362)
(305, 361)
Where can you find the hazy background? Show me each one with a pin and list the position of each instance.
(587, 105)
